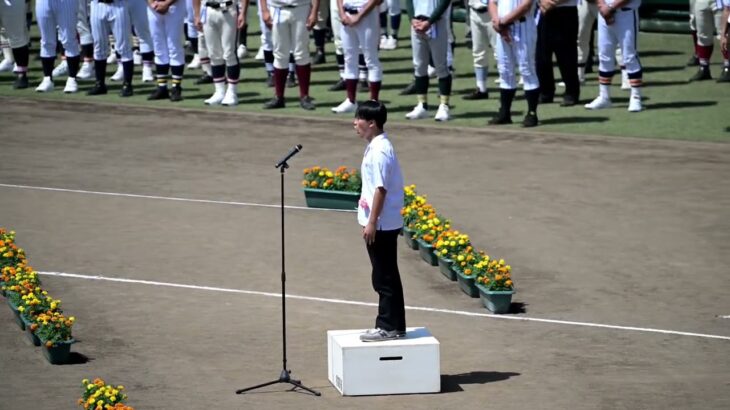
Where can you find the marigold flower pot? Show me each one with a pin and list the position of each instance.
(29, 333)
(467, 284)
(497, 301)
(408, 235)
(445, 268)
(16, 314)
(425, 249)
(323, 198)
(59, 353)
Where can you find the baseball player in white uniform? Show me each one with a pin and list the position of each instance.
(481, 32)
(64, 15)
(514, 21)
(86, 71)
(167, 21)
(12, 19)
(360, 31)
(220, 20)
(141, 28)
(111, 16)
(587, 15)
(389, 10)
(618, 24)
(201, 59)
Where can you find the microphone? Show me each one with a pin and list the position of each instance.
(291, 153)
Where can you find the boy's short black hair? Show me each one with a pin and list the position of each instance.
(372, 111)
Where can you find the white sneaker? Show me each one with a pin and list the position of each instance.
(345, 107)
(119, 74)
(195, 62)
(137, 57)
(86, 71)
(443, 113)
(383, 42)
(6, 65)
(432, 71)
(112, 57)
(60, 70)
(418, 112)
(625, 84)
(71, 86)
(635, 104)
(391, 43)
(241, 52)
(260, 54)
(45, 86)
(231, 97)
(217, 97)
(599, 103)
(147, 74)
(561, 84)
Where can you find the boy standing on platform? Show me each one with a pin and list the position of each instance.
(379, 214)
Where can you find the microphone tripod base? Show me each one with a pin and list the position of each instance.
(284, 377)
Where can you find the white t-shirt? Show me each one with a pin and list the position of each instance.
(380, 168)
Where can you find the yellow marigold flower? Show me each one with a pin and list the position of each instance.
(85, 381)
(321, 173)
(508, 283)
(329, 174)
(501, 261)
(460, 258)
(113, 399)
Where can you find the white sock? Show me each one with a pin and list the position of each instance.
(604, 91)
(636, 92)
(481, 76)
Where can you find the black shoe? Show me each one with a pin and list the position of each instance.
(530, 120)
(160, 93)
(546, 99)
(319, 58)
(569, 101)
(693, 61)
(338, 86)
(362, 85)
(501, 119)
(204, 79)
(477, 95)
(176, 94)
(291, 81)
(126, 90)
(409, 90)
(97, 89)
(307, 104)
(702, 74)
(21, 82)
(275, 102)
(725, 76)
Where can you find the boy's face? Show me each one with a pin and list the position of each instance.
(364, 129)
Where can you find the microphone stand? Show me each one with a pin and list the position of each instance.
(285, 376)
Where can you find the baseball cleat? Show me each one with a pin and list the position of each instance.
(725, 76)
(97, 89)
(635, 104)
(176, 93)
(231, 97)
(477, 95)
(160, 93)
(409, 90)
(442, 114)
(204, 79)
(259, 54)
(195, 62)
(625, 83)
(702, 74)
(530, 120)
(217, 97)
(319, 58)
(119, 74)
(241, 51)
(307, 103)
(274, 103)
(599, 103)
(390, 44)
(338, 86)
(417, 113)
(147, 75)
(6, 65)
(383, 42)
(60, 70)
(127, 90)
(501, 119)
(21, 82)
(345, 107)
(71, 86)
(86, 71)
(45, 86)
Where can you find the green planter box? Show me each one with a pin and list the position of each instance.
(59, 353)
(467, 284)
(445, 268)
(426, 252)
(323, 198)
(16, 315)
(408, 236)
(29, 333)
(497, 301)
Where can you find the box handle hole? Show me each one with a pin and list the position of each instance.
(391, 358)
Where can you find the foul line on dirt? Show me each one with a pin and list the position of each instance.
(370, 304)
(167, 198)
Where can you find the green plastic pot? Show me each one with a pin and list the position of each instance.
(496, 301)
(16, 315)
(426, 251)
(59, 353)
(445, 267)
(467, 284)
(323, 198)
(408, 236)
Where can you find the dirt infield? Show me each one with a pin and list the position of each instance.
(599, 231)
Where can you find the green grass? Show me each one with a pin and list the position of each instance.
(675, 109)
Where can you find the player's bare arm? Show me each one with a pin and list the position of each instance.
(242, 14)
(344, 17)
(368, 231)
(312, 18)
(265, 15)
(196, 15)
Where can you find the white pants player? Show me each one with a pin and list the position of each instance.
(363, 37)
(167, 35)
(587, 15)
(61, 14)
(518, 53)
(111, 17)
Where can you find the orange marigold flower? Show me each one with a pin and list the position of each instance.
(313, 184)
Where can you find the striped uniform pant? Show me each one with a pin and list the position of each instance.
(62, 14)
(111, 17)
(82, 25)
(138, 15)
(519, 52)
(167, 34)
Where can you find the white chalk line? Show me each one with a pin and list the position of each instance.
(167, 198)
(369, 304)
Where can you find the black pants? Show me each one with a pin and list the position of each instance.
(386, 281)
(557, 32)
